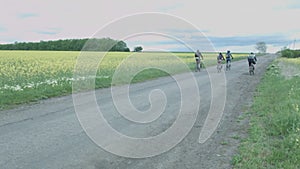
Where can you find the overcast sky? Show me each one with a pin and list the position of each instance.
(236, 25)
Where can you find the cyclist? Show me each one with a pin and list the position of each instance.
(228, 56)
(252, 59)
(220, 57)
(198, 57)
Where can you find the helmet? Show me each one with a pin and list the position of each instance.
(251, 53)
(228, 51)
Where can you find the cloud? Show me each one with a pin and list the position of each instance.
(293, 4)
(197, 40)
(200, 38)
(171, 7)
(46, 32)
(181, 41)
(27, 15)
(8, 40)
(275, 40)
(50, 31)
(2, 29)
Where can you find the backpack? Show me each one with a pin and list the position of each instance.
(251, 57)
(228, 55)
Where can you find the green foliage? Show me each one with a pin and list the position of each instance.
(288, 53)
(104, 44)
(274, 133)
(138, 49)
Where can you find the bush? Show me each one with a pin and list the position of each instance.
(288, 53)
(138, 49)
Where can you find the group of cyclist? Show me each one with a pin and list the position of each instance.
(198, 56)
(221, 57)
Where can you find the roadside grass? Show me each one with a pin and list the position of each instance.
(28, 76)
(274, 133)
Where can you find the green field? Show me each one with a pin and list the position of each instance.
(274, 133)
(27, 76)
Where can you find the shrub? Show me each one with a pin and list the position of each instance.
(288, 53)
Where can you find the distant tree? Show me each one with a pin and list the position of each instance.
(261, 47)
(126, 50)
(104, 44)
(119, 46)
(138, 49)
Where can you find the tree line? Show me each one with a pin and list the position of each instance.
(103, 44)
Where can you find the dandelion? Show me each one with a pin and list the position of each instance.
(296, 107)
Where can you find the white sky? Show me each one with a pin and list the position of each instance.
(230, 24)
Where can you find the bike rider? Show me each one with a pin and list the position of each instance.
(220, 58)
(252, 59)
(228, 57)
(198, 57)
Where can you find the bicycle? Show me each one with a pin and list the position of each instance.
(228, 65)
(198, 66)
(219, 66)
(251, 69)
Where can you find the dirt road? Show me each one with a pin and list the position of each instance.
(49, 135)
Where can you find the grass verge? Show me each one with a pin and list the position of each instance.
(274, 132)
